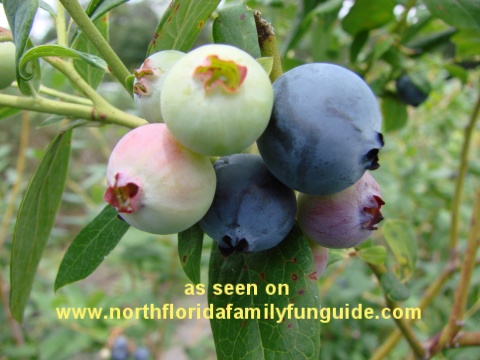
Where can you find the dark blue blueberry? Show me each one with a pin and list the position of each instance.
(252, 210)
(409, 92)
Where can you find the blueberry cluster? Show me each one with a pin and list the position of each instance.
(121, 350)
(318, 134)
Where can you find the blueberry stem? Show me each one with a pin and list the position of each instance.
(268, 44)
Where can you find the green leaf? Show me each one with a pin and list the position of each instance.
(401, 240)
(190, 244)
(46, 6)
(264, 335)
(306, 17)
(463, 14)
(467, 43)
(90, 247)
(180, 25)
(427, 43)
(60, 51)
(368, 15)
(393, 288)
(235, 25)
(358, 43)
(35, 220)
(267, 63)
(89, 73)
(97, 8)
(6, 112)
(20, 15)
(457, 72)
(394, 112)
(375, 255)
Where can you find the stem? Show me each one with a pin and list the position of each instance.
(118, 69)
(61, 25)
(431, 292)
(9, 212)
(467, 339)
(268, 44)
(103, 110)
(64, 96)
(402, 324)
(39, 104)
(457, 198)
(456, 320)
(69, 71)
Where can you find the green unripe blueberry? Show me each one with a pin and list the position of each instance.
(7, 64)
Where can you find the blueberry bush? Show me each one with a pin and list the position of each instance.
(329, 146)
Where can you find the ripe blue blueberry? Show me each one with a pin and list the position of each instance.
(324, 132)
(120, 348)
(251, 211)
(409, 92)
(141, 353)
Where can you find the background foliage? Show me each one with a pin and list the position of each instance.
(435, 42)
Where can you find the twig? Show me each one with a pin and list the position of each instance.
(402, 324)
(43, 105)
(456, 320)
(462, 171)
(467, 339)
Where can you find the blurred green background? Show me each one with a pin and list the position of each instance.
(419, 165)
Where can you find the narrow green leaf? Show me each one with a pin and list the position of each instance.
(60, 51)
(393, 288)
(180, 25)
(375, 255)
(190, 244)
(82, 44)
(368, 15)
(90, 247)
(235, 25)
(394, 112)
(35, 220)
(98, 8)
(46, 6)
(265, 335)
(20, 15)
(267, 63)
(401, 240)
(463, 14)
(6, 112)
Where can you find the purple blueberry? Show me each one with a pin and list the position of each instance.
(344, 219)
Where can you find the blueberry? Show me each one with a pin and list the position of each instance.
(120, 348)
(342, 220)
(251, 211)
(141, 353)
(409, 92)
(324, 132)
